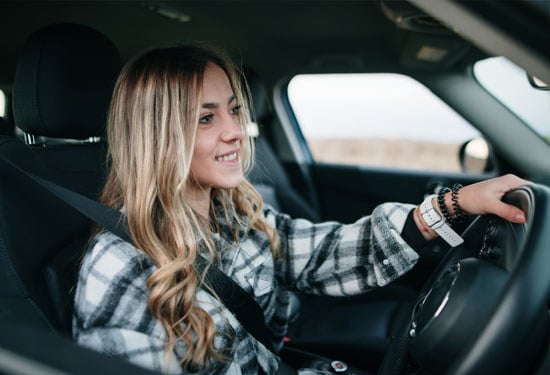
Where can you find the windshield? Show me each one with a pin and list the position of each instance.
(509, 84)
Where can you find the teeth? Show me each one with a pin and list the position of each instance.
(229, 157)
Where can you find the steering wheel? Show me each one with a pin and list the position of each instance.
(485, 308)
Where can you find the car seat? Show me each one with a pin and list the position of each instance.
(63, 83)
(5, 128)
(268, 175)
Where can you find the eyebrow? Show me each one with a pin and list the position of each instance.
(216, 105)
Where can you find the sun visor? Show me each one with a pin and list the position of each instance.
(422, 41)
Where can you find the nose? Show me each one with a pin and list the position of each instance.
(231, 129)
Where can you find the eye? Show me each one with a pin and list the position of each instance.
(235, 110)
(206, 119)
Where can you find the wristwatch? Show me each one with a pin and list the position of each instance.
(436, 221)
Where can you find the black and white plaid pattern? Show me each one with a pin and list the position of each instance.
(111, 313)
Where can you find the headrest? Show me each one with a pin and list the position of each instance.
(261, 109)
(64, 81)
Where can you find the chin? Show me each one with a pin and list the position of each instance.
(231, 184)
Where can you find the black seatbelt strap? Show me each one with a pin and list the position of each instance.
(240, 303)
(235, 298)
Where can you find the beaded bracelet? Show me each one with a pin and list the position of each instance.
(441, 203)
(459, 213)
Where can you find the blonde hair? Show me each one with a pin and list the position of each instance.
(152, 122)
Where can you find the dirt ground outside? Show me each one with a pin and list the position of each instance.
(397, 153)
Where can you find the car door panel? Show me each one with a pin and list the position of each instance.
(346, 193)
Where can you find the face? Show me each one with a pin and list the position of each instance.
(217, 155)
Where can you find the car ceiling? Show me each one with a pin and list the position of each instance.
(276, 37)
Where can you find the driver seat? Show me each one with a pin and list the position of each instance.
(63, 84)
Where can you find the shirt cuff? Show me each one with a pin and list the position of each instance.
(411, 234)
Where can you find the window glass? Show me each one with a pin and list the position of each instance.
(386, 120)
(509, 84)
(2, 104)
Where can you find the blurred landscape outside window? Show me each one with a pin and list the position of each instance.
(383, 120)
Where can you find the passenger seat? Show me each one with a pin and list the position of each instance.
(268, 174)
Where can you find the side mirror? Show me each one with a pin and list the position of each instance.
(537, 83)
(476, 156)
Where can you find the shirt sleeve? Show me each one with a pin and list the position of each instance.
(344, 259)
(111, 313)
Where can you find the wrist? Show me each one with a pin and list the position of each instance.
(448, 204)
(427, 232)
(430, 214)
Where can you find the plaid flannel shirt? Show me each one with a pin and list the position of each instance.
(111, 313)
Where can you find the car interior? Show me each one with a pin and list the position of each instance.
(57, 72)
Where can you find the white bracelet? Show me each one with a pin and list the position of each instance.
(436, 221)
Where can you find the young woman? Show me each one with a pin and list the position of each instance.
(179, 150)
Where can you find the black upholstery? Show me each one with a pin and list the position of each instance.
(40, 241)
(63, 83)
(5, 127)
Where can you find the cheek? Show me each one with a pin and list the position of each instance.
(202, 153)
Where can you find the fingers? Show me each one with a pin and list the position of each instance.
(509, 212)
(485, 198)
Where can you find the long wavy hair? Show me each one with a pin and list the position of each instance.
(152, 121)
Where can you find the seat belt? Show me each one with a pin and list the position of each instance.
(236, 299)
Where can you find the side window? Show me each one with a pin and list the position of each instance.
(5, 127)
(382, 120)
(509, 84)
(6, 124)
(2, 104)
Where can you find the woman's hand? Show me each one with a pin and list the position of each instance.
(485, 198)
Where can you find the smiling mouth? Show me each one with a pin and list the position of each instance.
(230, 157)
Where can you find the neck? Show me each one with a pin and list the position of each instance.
(199, 199)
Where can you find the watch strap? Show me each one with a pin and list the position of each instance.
(437, 222)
